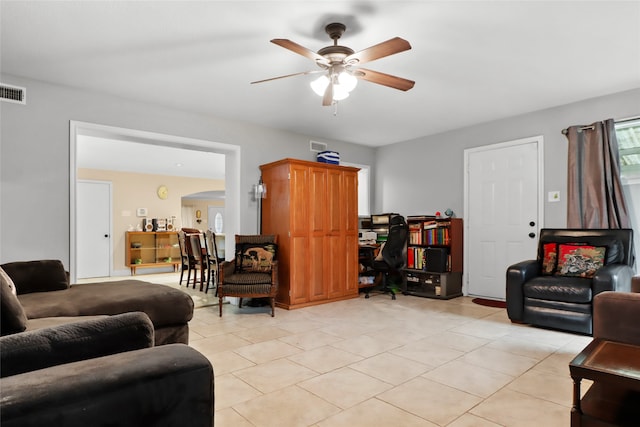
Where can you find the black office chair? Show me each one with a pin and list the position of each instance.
(392, 256)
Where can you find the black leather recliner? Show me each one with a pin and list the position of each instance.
(566, 302)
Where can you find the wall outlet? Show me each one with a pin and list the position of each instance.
(554, 196)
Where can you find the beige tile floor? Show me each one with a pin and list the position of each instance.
(379, 362)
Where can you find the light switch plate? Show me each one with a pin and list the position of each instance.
(554, 196)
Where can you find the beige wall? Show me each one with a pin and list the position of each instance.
(131, 191)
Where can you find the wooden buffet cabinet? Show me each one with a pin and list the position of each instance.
(144, 249)
(313, 208)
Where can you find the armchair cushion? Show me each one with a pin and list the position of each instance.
(46, 347)
(580, 260)
(37, 276)
(13, 317)
(549, 258)
(567, 289)
(255, 257)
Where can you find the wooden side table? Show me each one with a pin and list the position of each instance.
(611, 365)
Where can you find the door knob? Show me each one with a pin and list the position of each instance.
(532, 224)
(532, 235)
(106, 235)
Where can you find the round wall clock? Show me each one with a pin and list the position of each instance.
(163, 192)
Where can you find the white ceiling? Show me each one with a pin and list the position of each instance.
(126, 156)
(473, 61)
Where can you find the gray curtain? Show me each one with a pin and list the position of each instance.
(595, 198)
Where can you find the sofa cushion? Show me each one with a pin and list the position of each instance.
(163, 304)
(558, 288)
(580, 260)
(12, 315)
(37, 276)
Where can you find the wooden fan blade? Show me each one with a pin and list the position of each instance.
(390, 47)
(300, 50)
(327, 99)
(289, 75)
(384, 79)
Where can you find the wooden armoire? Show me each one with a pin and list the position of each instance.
(313, 208)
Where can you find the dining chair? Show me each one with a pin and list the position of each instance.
(184, 257)
(213, 260)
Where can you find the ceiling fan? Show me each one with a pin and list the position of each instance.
(339, 65)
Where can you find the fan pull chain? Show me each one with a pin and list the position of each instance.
(335, 108)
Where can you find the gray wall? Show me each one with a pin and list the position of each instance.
(426, 175)
(34, 158)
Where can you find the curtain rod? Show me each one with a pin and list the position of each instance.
(628, 119)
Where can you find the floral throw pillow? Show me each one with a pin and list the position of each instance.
(255, 257)
(580, 260)
(550, 258)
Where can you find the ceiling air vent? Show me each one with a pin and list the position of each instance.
(14, 94)
(317, 146)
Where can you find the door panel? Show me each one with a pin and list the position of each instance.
(93, 225)
(502, 203)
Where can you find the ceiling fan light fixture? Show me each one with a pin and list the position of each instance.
(345, 83)
(319, 85)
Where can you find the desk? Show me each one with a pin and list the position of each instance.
(612, 366)
(366, 256)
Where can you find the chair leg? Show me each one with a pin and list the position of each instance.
(181, 274)
(220, 304)
(240, 303)
(273, 306)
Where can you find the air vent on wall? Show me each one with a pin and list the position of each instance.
(317, 146)
(14, 94)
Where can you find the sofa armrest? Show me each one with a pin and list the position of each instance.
(168, 385)
(615, 317)
(517, 275)
(42, 348)
(612, 277)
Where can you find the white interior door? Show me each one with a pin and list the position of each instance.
(503, 212)
(93, 225)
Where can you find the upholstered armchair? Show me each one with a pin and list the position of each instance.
(557, 289)
(253, 273)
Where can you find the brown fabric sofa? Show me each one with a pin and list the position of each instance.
(46, 298)
(102, 372)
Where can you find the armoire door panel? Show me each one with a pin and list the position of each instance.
(334, 268)
(350, 201)
(298, 278)
(351, 264)
(335, 201)
(317, 265)
(317, 194)
(299, 203)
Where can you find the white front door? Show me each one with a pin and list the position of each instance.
(503, 212)
(93, 229)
